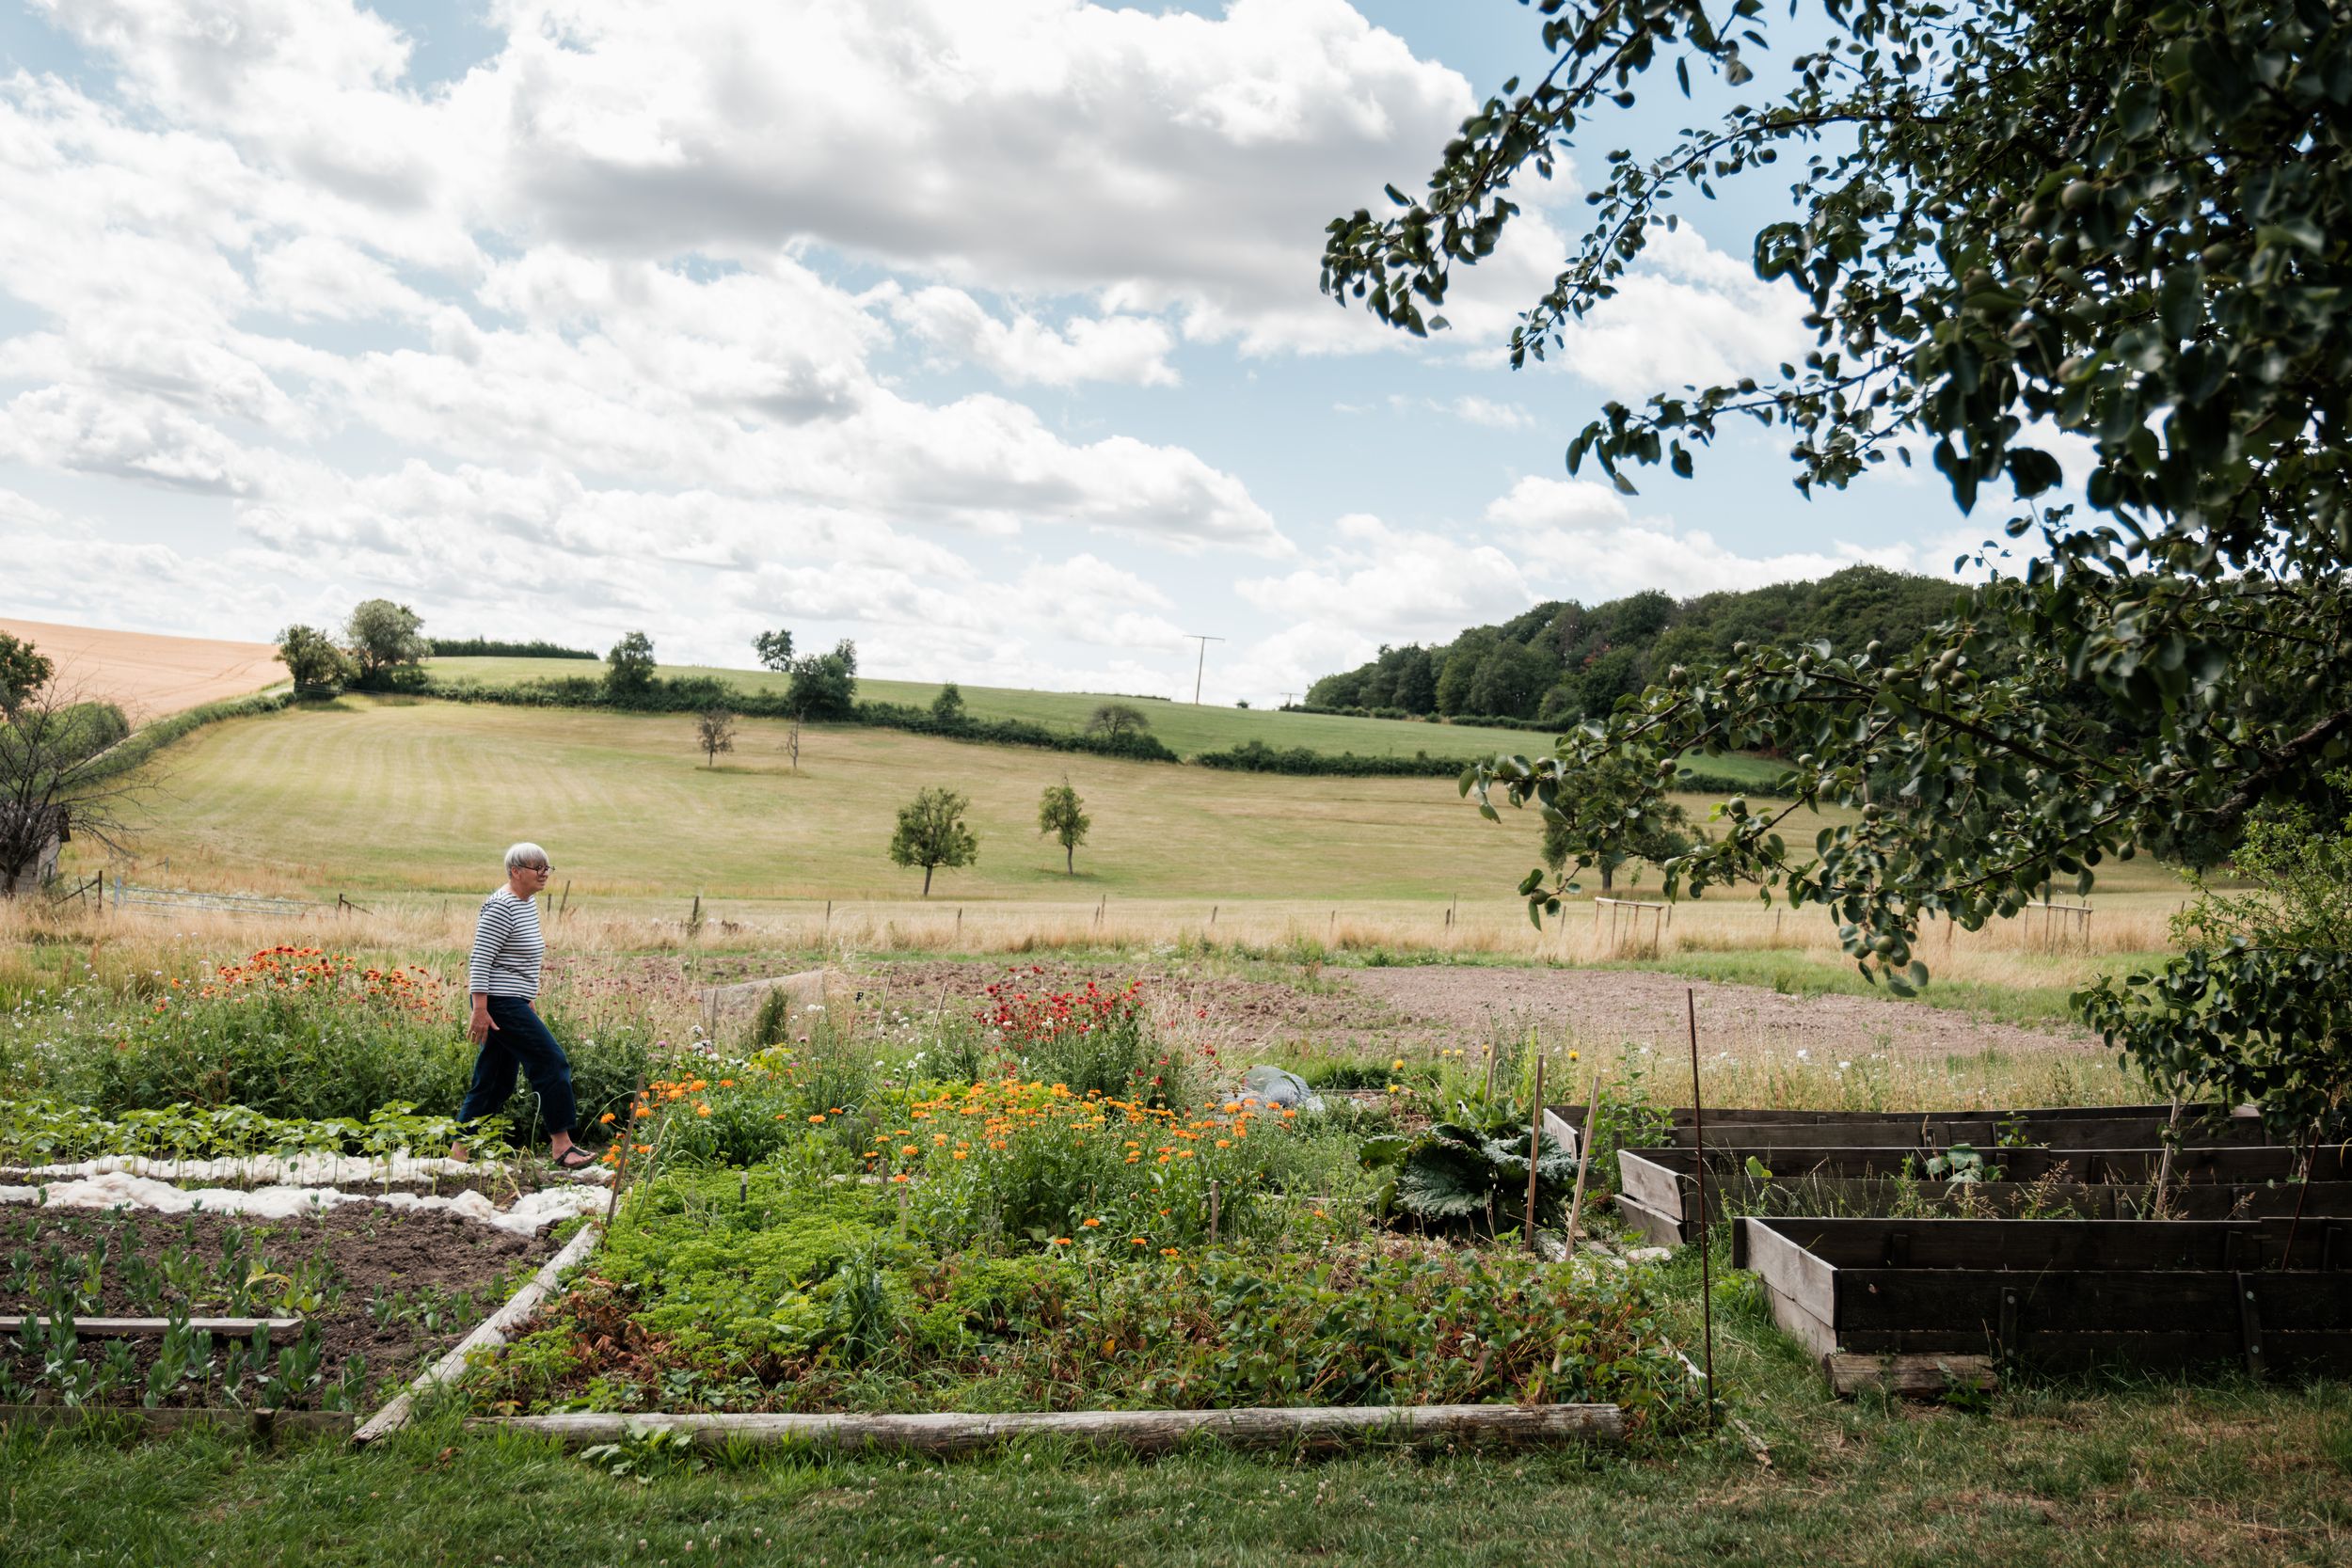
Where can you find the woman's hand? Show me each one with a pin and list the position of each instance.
(479, 1030)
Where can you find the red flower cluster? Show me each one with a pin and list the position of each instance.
(1025, 1019)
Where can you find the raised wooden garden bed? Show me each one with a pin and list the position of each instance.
(1658, 1188)
(2062, 1294)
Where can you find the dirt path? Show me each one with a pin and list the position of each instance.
(1610, 1005)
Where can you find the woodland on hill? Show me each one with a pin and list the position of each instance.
(1563, 661)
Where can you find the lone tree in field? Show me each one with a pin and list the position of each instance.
(2127, 222)
(628, 668)
(932, 834)
(383, 636)
(714, 732)
(57, 779)
(312, 659)
(1117, 721)
(22, 671)
(1060, 813)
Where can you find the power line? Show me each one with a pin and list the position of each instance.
(1204, 640)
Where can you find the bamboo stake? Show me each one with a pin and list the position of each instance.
(1698, 1138)
(1584, 1159)
(1213, 1196)
(1534, 1148)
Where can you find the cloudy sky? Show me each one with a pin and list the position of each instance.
(984, 332)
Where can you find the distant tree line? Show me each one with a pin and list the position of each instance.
(1563, 662)
(490, 647)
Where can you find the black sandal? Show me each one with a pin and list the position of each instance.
(574, 1158)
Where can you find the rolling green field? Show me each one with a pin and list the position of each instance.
(1185, 728)
(412, 793)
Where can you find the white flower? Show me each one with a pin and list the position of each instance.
(1804, 1056)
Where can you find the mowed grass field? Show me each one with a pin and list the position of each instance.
(1187, 729)
(418, 794)
(411, 794)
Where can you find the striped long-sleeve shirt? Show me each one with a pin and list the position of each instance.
(508, 947)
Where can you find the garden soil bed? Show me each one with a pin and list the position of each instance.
(416, 1256)
(1609, 1005)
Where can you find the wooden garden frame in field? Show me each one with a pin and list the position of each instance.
(1625, 924)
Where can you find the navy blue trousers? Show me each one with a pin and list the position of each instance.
(520, 1039)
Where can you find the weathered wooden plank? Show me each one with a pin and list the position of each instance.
(1142, 1430)
(1651, 1185)
(2070, 1300)
(1734, 1191)
(1914, 1377)
(492, 1332)
(1788, 1266)
(1658, 1227)
(2034, 1246)
(1807, 1329)
(262, 1423)
(2154, 1348)
(135, 1328)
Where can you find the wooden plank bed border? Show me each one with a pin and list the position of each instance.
(1138, 1431)
(264, 1425)
(137, 1328)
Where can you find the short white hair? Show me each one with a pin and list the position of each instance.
(524, 854)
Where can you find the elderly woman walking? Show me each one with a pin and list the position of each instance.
(504, 976)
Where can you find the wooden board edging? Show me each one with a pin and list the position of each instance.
(262, 1424)
(490, 1332)
(136, 1328)
(1137, 1430)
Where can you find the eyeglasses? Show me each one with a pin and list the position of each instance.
(540, 870)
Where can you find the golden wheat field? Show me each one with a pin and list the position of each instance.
(149, 677)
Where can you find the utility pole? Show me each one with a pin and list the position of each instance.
(1287, 696)
(1199, 668)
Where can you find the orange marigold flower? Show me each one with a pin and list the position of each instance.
(1224, 1143)
(1088, 1223)
(1061, 1240)
(1138, 1241)
(816, 1121)
(701, 1110)
(604, 1119)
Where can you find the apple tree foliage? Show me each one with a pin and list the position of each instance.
(2019, 229)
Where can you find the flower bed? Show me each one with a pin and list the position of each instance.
(1012, 1245)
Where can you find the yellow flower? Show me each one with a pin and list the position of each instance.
(1572, 1056)
(1397, 1065)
